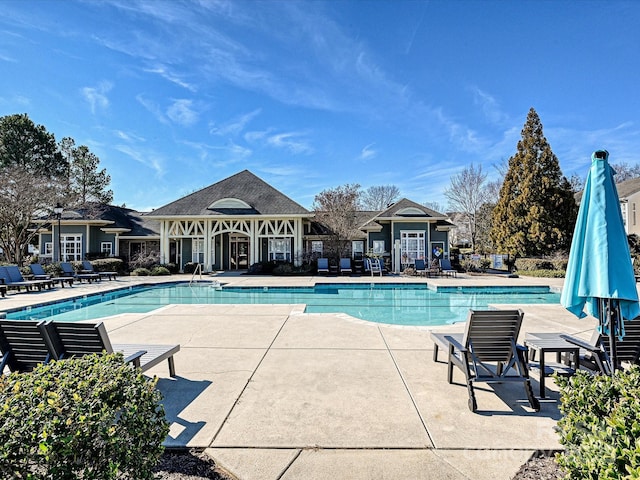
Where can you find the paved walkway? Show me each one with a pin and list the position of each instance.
(274, 393)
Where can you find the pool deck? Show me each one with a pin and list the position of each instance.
(274, 393)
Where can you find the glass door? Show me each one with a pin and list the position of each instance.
(239, 253)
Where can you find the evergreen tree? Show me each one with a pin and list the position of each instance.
(86, 184)
(536, 212)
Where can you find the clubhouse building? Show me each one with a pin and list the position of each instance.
(237, 222)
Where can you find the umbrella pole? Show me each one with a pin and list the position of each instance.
(613, 318)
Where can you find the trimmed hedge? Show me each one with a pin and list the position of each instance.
(93, 417)
(544, 273)
(527, 264)
(109, 265)
(601, 425)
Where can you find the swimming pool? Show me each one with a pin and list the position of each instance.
(400, 304)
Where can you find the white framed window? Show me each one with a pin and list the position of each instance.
(71, 248)
(106, 248)
(412, 245)
(357, 248)
(316, 247)
(378, 247)
(197, 250)
(48, 249)
(280, 249)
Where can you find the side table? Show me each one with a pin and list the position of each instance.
(543, 343)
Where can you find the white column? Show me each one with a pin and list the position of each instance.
(207, 246)
(297, 231)
(164, 241)
(254, 242)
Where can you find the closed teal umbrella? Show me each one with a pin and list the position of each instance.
(599, 273)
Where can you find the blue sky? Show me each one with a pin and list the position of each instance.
(173, 96)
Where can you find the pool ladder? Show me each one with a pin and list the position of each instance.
(196, 271)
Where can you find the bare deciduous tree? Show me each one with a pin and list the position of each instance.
(23, 197)
(336, 209)
(379, 197)
(467, 194)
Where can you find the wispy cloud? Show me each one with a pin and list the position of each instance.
(146, 158)
(489, 106)
(181, 112)
(235, 126)
(128, 136)
(368, 152)
(294, 142)
(153, 108)
(97, 96)
(172, 77)
(6, 58)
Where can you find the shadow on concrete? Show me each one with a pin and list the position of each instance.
(179, 393)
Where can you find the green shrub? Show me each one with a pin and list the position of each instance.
(527, 264)
(544, 273)
(172, 267)
(141, 272)
(108, 265)
(93, 417)
(601, 425)
(189, 267)
(160, 271)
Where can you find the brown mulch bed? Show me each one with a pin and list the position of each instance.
(189, 465)
(540, 467)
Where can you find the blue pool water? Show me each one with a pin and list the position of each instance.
(400, 304)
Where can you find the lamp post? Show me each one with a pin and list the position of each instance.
(58, 209)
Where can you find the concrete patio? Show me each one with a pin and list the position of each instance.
(274, 393)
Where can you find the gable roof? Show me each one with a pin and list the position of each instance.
(405, 208)
(260, 197)
(628, 187)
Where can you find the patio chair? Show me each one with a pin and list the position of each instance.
(487, 352)
(323, 265)
(447, 269)
(69, 271)
(594, 354)
(345, 266)
(420, 267)
(69, 339)
(22, 344)
(87, 267)
(13, 279)
(39, 274)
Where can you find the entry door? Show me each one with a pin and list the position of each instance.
(239, 251)
(175, 252)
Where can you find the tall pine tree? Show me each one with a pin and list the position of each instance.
(536, 212)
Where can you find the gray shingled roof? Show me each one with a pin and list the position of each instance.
(628, 187)
(245, 186)
(625, 189)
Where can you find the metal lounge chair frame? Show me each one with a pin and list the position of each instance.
(323, 265)
(69, 339)
(419, 267)
(22, 344)
(596, 356)
(87, 267)
(488, 352)
(447, 269)
(345, 266)
(69, 271)
(12, 278)
(40, 274)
